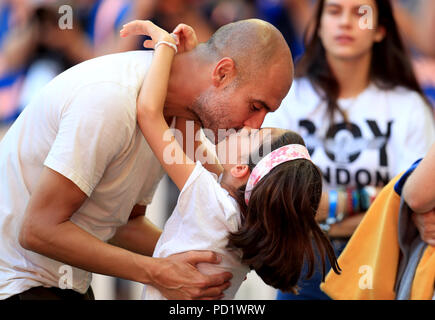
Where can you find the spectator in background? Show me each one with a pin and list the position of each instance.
(394, 253)
(34, 49)
(94, 26)
(170, 13)
(360, 109)
(290, 17)
(416, 19)
(14, 53)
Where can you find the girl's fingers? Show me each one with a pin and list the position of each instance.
(138, 27)
(129, 30)
(176, 37)
(148, 43)
(183, 30)
(123, 33)
(143, 27)
(179, 28)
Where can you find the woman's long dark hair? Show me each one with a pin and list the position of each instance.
(278, 224)
(390, 64)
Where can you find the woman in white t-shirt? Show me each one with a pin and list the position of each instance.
(359, 108)
(259, 215)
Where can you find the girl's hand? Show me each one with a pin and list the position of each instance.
(146, 27)
(183, 35)
(186, 36)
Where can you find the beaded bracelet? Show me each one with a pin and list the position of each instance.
(365, 201)
(371, 191)
(342, 199)
(349, 202)
(355, 201)
(333, 197)
(170, 44)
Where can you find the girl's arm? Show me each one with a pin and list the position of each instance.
(151, 101)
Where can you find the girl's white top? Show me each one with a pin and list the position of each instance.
(204, 216)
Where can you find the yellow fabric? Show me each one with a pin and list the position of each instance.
(424, 279)
(370, 260)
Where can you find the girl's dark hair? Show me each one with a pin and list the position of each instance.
(278, 225)
(390, 65)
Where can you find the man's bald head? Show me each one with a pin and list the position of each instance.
(252, 44)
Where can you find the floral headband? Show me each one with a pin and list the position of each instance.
(276, 157)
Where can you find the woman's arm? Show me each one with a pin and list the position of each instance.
(349, 223)
(151, 101)
(344, 228)
(419, 194)
(420, 29)
(419, 189)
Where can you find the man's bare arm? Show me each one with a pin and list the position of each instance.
(139, 235)
(47, 229)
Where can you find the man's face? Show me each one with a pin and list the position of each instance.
(245, 104)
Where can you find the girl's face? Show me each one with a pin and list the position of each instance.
(348, 28)
(236, 147)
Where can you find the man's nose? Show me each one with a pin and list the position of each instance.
(256, 120)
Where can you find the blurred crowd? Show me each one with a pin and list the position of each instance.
(41, 38)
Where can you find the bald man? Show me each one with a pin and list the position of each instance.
(76, 172)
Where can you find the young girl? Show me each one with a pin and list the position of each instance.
(258, 215)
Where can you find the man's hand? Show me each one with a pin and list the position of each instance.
(425, 223)
(176, 277)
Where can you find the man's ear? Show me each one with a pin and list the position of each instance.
(224, 71)
(240, 171)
